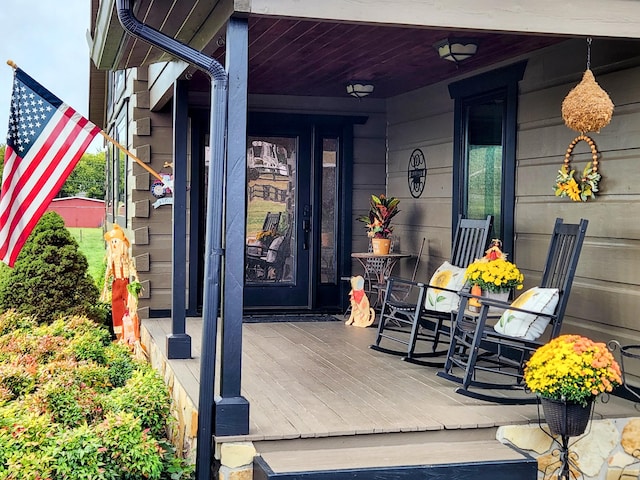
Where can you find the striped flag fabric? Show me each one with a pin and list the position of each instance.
(46, 139)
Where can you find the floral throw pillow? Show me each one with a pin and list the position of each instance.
(446, 276)
(527, 325)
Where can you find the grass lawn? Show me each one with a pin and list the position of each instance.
(92, 245)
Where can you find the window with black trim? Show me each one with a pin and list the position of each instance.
(484, 153)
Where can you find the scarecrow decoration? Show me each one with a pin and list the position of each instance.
(586, 108)
(125, 287)
(362, 315)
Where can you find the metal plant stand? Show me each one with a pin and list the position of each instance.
(566, 468)
(627, 352)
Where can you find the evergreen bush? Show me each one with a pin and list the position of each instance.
(50, 276)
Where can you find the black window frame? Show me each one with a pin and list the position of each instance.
(500, 83)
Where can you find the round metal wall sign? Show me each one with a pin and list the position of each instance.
(417, 173)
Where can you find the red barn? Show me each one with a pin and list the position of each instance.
(79, 211)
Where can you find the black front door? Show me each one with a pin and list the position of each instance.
(295, 214)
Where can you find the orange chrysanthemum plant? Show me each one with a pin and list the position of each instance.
(573, 369)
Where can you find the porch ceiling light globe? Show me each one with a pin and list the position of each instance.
(456, 49)
(359, 90)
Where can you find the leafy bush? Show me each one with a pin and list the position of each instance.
(75, 406)
(144, 395)
(50, 275)
(120, 364)
(132, 451)
(80, 454)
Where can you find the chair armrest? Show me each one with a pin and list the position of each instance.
(404, 281)
(442, 289)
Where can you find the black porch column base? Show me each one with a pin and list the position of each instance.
(231, 416)
(178, 346)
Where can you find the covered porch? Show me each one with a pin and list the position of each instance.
(321, 400)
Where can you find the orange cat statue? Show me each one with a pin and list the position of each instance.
(362, 315)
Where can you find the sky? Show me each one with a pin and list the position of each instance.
(48, 40)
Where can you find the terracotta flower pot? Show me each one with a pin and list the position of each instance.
(381, 246)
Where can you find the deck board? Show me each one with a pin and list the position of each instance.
(308, 380)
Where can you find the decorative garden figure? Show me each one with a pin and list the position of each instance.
(125, 286)
(362, 315)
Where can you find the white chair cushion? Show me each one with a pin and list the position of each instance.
(273, 249)
(446, 276)
(527, 325)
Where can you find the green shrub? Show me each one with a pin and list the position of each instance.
(74, 405)
(94, 376)
(80, 455)
(132, 451)
(27, 440)
(174, 467)
(11, 321)
(145, 395)
(61, 402)
(91, 345)
(17, 379)
(120, 364)
(50, 275)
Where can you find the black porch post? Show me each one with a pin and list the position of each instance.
(178, 342)
(231, 415)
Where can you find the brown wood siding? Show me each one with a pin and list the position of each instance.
(606, 296)
(423, 120)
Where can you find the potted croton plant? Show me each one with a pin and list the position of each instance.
(378, 222)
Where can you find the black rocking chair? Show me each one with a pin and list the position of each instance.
(480, 357)
(407, 318)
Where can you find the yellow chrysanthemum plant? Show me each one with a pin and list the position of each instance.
(493, 272)
(572, 368)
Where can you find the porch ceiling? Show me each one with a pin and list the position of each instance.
(305, 57)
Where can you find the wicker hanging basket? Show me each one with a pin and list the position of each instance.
(587, 107)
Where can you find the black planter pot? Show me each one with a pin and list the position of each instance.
(566, 418)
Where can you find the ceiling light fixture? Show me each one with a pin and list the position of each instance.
(359, 89)
(456, 49)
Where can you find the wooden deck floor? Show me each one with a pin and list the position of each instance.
(319, 380)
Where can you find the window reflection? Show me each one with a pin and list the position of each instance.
(328, 229)
(271, 210)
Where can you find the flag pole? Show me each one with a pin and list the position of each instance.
(13, 65)
(133, 157)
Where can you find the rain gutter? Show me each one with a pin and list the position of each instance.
(213, 238)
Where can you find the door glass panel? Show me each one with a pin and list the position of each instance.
(271, 211)
(328, 229)
(484, 162)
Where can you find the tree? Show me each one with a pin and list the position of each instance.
(50, 276)
(87, 178)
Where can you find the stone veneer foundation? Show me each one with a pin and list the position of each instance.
(609, 449)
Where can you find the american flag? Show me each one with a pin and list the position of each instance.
(45, 141)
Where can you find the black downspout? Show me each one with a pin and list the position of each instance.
(213, 239)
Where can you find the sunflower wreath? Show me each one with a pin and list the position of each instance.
(586, 186)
